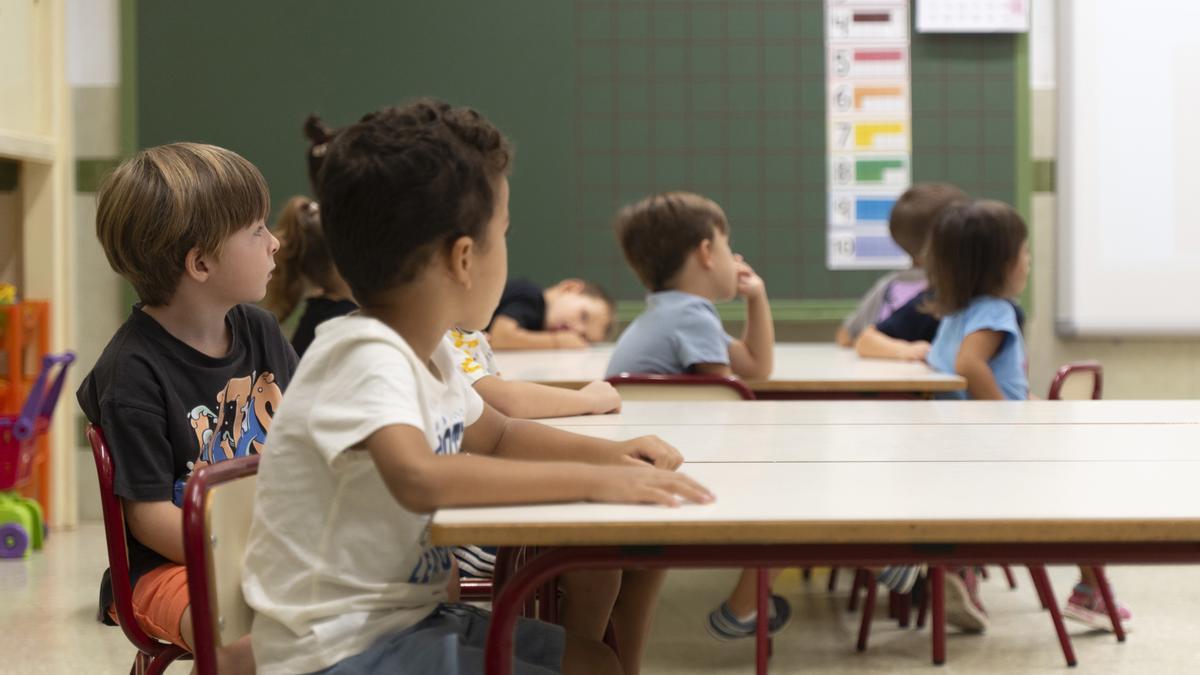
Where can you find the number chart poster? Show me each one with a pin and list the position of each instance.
(869, 129)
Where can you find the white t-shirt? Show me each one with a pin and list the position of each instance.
(333, 561)
(473, 354)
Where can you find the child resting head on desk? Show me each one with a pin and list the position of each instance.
(380, 429)
(571, 314)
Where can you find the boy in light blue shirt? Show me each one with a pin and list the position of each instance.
(678, 245)
(677, 331)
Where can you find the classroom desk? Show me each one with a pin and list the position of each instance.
(810, 370)
(920, 443)
(751, 413)
(852, 514)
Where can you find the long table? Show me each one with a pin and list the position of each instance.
(811, 370)
(744, 413)
(837, 494)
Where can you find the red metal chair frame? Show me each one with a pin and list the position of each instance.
(689, 380)
(1041, 580)
(153, 656)
(195, 552)
(1056, 385)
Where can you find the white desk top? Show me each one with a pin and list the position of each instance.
(712, 413)
(798, 367)
(760, 503)
(922, 443)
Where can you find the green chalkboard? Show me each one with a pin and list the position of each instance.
(606, 101)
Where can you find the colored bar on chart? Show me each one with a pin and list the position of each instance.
(880, 136)
(878, 62)
(873, 208)
(878, 23)
(882, 171)
(879, 99)
(877, 247)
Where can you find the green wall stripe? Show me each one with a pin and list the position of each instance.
(10, 172)
(1024, 146)
(89, 173)
(1045, 175)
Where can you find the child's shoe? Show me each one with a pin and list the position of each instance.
(1086, 605)
(724, 626)
(963, 608)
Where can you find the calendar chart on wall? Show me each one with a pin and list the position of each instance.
(869, 118)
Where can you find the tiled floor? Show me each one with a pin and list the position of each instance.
(47, 605)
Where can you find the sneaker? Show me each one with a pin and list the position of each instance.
(963, 608)
(724, 626)
(900, 578)
(1086, 606)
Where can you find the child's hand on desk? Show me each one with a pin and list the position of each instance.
(565, 339)
(651, 450)
(749, 284)
(602, 397)
(916, 351)
(629, 485)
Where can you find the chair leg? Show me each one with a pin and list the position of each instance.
(937, 580)
(833, 574)
(806, 573)
(904, 608)
(1041, 592)
(547, 609)
(1008, 574)
(925, 595)
(858, 581)
(762, 620)
(139, 666)
(1038, 572)
(983, 572)
(158, 664)
(868, 611)
(1109, 601)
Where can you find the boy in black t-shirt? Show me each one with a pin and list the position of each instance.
(569, 315)
(194, 375)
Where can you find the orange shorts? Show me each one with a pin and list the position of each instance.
(159, 601)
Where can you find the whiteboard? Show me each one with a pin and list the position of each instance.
(1128, 168)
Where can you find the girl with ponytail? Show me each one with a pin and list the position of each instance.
(304, 269)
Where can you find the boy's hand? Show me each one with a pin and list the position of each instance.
(917, 351)
(651, 450)
(630, 485)
(565, 339)
(602, 397)
(749, 284)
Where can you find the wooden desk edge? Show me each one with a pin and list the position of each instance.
(816, 532)
(930, 386)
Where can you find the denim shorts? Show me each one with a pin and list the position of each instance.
(451, 640)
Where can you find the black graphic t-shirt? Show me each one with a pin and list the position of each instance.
(167, 409)
(524, 302)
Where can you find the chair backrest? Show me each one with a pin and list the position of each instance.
(1065, 372)
(647, 387)
(218, 505)
(118, 551)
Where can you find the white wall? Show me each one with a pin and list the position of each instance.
(1135, 369)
